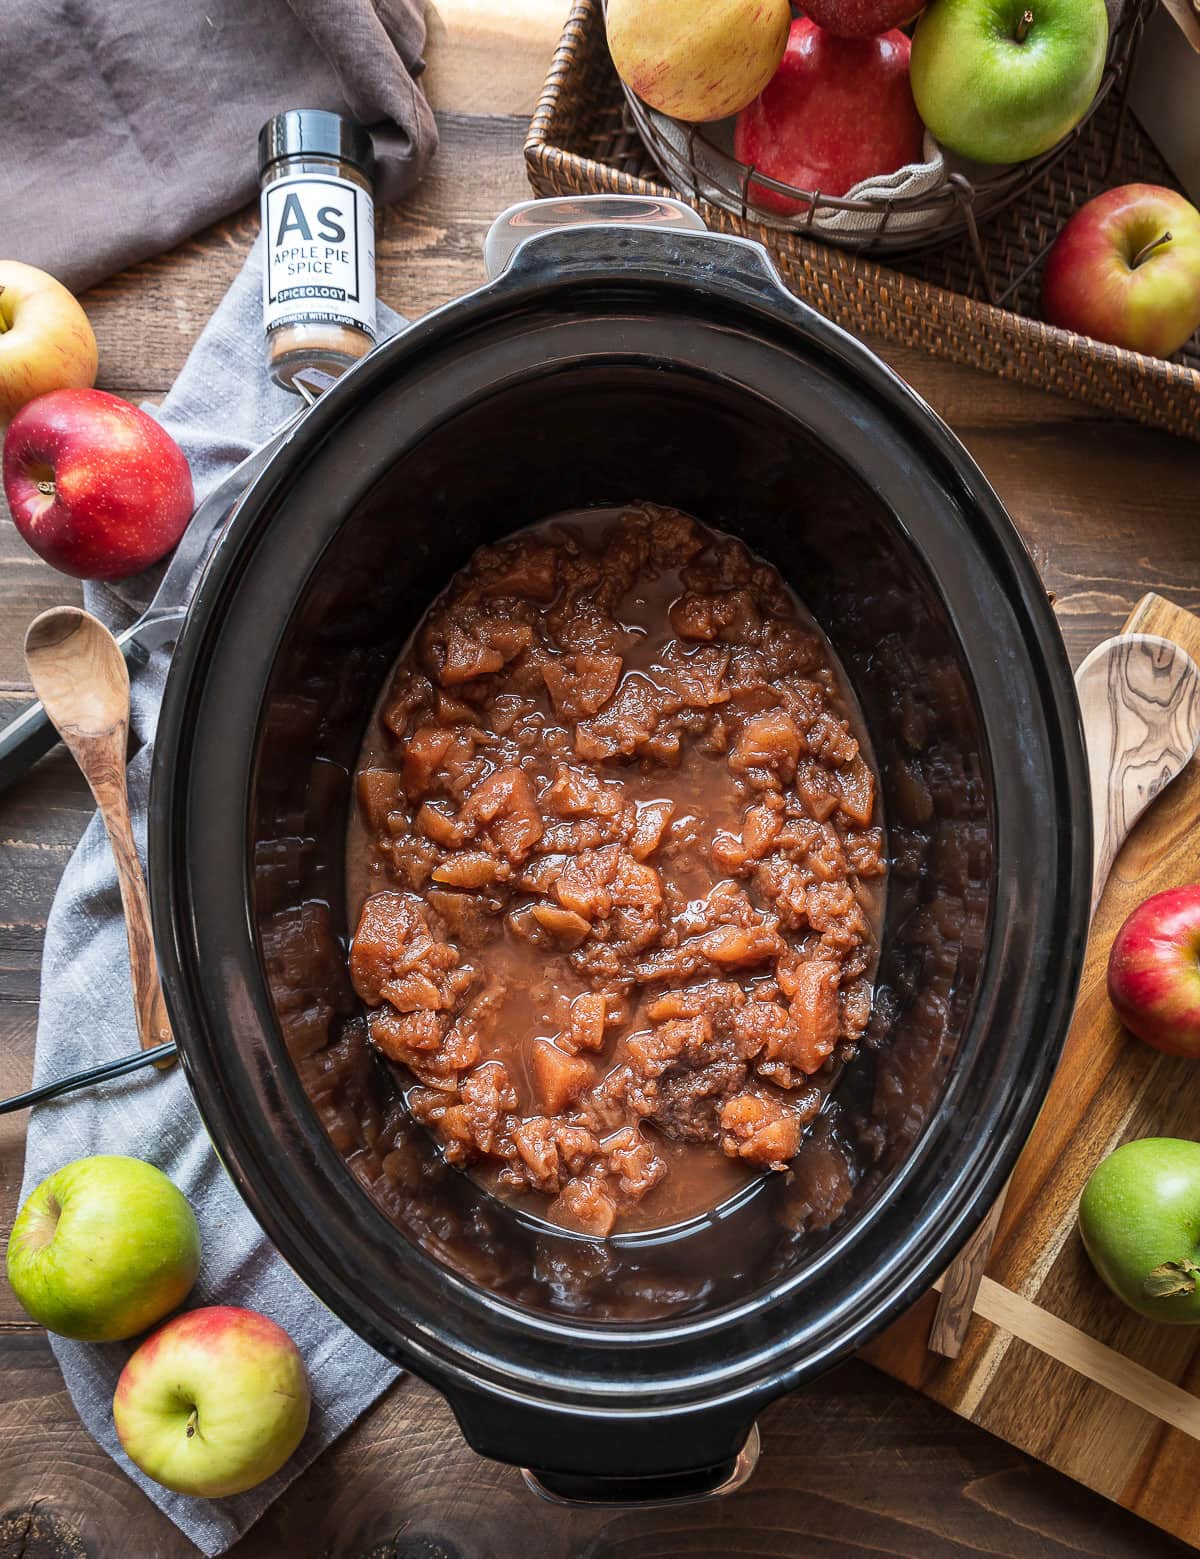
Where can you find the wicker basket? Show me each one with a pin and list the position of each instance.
(581, 141)
(699, 158)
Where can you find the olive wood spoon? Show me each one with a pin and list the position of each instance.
(79, 673)
(1139, 699)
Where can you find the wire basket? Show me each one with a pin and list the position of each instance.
(696, 159)
(963, 301)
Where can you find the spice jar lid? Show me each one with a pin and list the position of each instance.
(315, 132)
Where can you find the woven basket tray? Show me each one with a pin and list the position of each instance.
(582, 142)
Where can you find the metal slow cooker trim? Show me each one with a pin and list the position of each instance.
(534, 287)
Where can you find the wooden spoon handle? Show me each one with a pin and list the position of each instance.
(1138, 702)
(105, 769)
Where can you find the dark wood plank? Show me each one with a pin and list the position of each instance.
(854, 1465)
(1102, 507)
(40, 820)
(27, 586)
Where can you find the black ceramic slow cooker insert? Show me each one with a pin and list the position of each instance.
(607, 364)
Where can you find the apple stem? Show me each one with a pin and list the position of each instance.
(193, 1418)
(1024, 25)
(1171, 1278)
(1147, 250)
(3, 321)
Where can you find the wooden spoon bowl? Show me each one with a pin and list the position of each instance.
(79, 673)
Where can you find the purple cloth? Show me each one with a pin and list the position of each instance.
(129, 124)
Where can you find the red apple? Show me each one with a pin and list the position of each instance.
(861, 18)
(1154, 971)
(96, 487)
(1126, 269)
(837, 111)
(213, 1402)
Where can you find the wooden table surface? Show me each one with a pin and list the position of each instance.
(854, 1465)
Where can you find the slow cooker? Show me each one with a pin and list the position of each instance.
(619, 354)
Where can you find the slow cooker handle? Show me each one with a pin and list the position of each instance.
(688, 1488)
(612, 1460)
(529, 217)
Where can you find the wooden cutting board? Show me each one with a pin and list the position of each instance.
(1135, 1438)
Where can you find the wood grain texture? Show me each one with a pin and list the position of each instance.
(80, 675)
(854, 1469)
(1109, 1089)
(958, 1290)
(855, 1465)
(1102, 1365)
(490, 56)
(1139, 699)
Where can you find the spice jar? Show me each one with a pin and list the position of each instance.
(318, 219)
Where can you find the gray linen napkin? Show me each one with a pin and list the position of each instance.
(221, 406)
(129, 124)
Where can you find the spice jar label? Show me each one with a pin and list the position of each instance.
(320, 264)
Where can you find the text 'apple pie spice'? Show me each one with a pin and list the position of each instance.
(318, 219)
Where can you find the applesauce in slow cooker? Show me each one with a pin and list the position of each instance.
(617, 870)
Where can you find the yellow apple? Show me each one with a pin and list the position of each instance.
(46, 342)
(213, 1402)
(697, 62)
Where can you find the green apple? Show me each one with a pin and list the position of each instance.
(1004, 80)
(103, 1248)
(213, 1403)
(1140, 1221)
